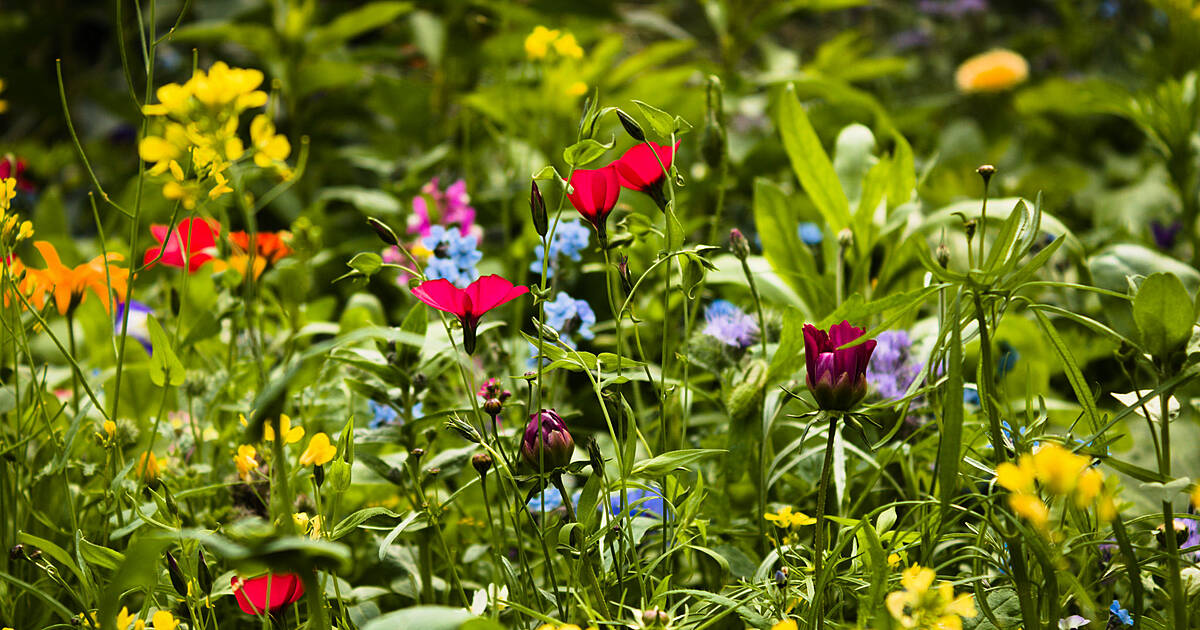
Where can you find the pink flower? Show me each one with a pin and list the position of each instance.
(594, 194)
(639, 169)
(836, 378)
(468, 304)
(267, 593)
(451, 207)
(190, 245)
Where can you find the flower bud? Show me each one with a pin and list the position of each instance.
(339, 474)
(623, 273)
(547, 445)
(203, 575)
(986, 171)
(492, 407)
(384, 232)
(482, 463)
(969, 227)
(845, 238)
(943, 255)
(836, 377)
(739, 244)
(176, 576)
(537, 209)
(417, 453)
(631, 126)
(17, 552)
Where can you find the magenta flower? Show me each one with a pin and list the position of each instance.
(468, 304)
(452, 208)
(640, 170)
(547, 445)
(594, 193)
(836, 378)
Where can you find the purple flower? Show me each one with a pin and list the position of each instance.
(729, 324)
(452, 208)
(1193, 539)
(892, 369)
(1165, 234)
(547, 445)
(138, 328)
(836, 378)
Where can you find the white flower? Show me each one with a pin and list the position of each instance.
(482, 598)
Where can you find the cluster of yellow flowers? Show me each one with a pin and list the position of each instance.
(161, 620)
(310, 525)
(785, 519)
(320, 450)
(542, 40)
(1061, 473)
(198, 132)
(921, 605)
(11, 231)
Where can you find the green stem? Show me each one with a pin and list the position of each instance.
(818, 616)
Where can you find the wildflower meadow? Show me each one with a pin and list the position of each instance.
(542, 315)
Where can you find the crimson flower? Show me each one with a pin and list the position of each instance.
(594, 194)
(468, 304)
(190, 245)
(267, 593)
(836, 378)
(15, 168)
(639, 169)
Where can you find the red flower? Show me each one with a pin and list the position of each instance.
(836, 378)
(271, 245)
(595, 193)
(640, 170)
(267, 593)
(469, 304)
(15, 168)
(192, 244)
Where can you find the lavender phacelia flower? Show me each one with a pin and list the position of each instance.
(893, 368)
(729, 324)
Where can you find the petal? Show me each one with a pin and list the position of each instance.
(491, 291)
(442, 295)
(639, 169)
(595, 192)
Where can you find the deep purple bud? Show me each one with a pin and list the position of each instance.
(739, 244)
(836, 378)
(482, 463)
(547, 445)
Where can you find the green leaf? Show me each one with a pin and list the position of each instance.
(165, 367)
(423, 617)
(352, 23)
(789, 354)
(351, 522)
(368, 201)
(1162, 310)
(366, 263)
(811, 162)
(1074, 375)
(584, 152)
(100, 556)
(674, 460)
(789, 257)
(950, 436)
(661, 122)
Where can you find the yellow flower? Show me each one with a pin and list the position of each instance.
(245, 461)
(110, 428)
(787, 518)
(8, 190)
(568, 47)
(1196, 496)
(319, 451)
(537, 44)
(164, 620)
(992, 71)
(578, 88)
(270, 149)
(919, 605)
(1017, 477)
(1030, 507)
(150, 468)
(291, 434)
(3, 103)
(125, 619)
(1058, 468)
(786, 624)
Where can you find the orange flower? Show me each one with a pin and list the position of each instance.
(69, 286)
(271, 248)
(992, 71)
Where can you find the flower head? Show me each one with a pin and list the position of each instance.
(649, 503)
(291, 434)
(319, 452)
(537, 43)
(150, 468)
(267, 593)
(810, 233)
(570, 239)
(729, 324)
(191, 244)
(1119, 614)
(786, 518)
(594, 193)
(246, 461)
(836, 378)
(137, 326)
(452, 255)
(892, 368)
(69, 286)
(643, 168)
(468, 304)
(921, 604)
(992, 71)
(546, 444)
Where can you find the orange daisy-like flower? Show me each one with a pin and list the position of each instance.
(69, 286)
(992, 71)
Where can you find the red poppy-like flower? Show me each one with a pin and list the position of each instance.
(468, 304)
(639, 169)
(836, 378)
(193, 243)
(594, 194)
(271, 245)
(267, 593)
(15, 168)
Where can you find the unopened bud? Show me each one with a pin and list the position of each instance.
(492, 407)
(739, 244)
(339, 474)
(203, 575)
(969, 227)
(17, 552)
(986, 171)
(482, 463)
(176, 576)
(943, 255)
(417, 453)
(631, 126)
(537, 209)
(623, 273)
(384, 232)
(845, 238)
(654, 617)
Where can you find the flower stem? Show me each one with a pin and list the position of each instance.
(818, 607)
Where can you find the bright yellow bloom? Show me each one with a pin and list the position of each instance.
(8, 190)
(992, 71)
(12, 230)
(1058, 468)
(578, 88)
(125, 619)
(786, 624)
(150, 468)
(110, 428)
(319, 451)
(69, 286)
(787, 518)
(537, 44)
(568, 47)
(922, 606)
(164, 620)
(291, 434)
(1030, 507)
(270, 149)
(1196, 496)
(245, 461)
(1017, 477)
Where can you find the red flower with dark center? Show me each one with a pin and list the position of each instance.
(594, 194)
(267, 593)
(190, 245)
(639, 169)
(468, 304)
(836, 378)
(15, 168)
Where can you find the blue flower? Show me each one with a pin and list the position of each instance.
(570, 239)
(454, 255)
(548, 499)
(138, 328)
(729, 324)
(811, 233)
(383, 414)
(1007, 360)
(649, 503)
(568, 315)
(438, 268)
(1120, 614)
(892, 368)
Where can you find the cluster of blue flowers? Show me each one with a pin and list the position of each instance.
(892, 368)
(647, 503)
(729, 324)
(810, 233)
(570, 239)
(454, 255)
(569, 317)
(383, 414)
